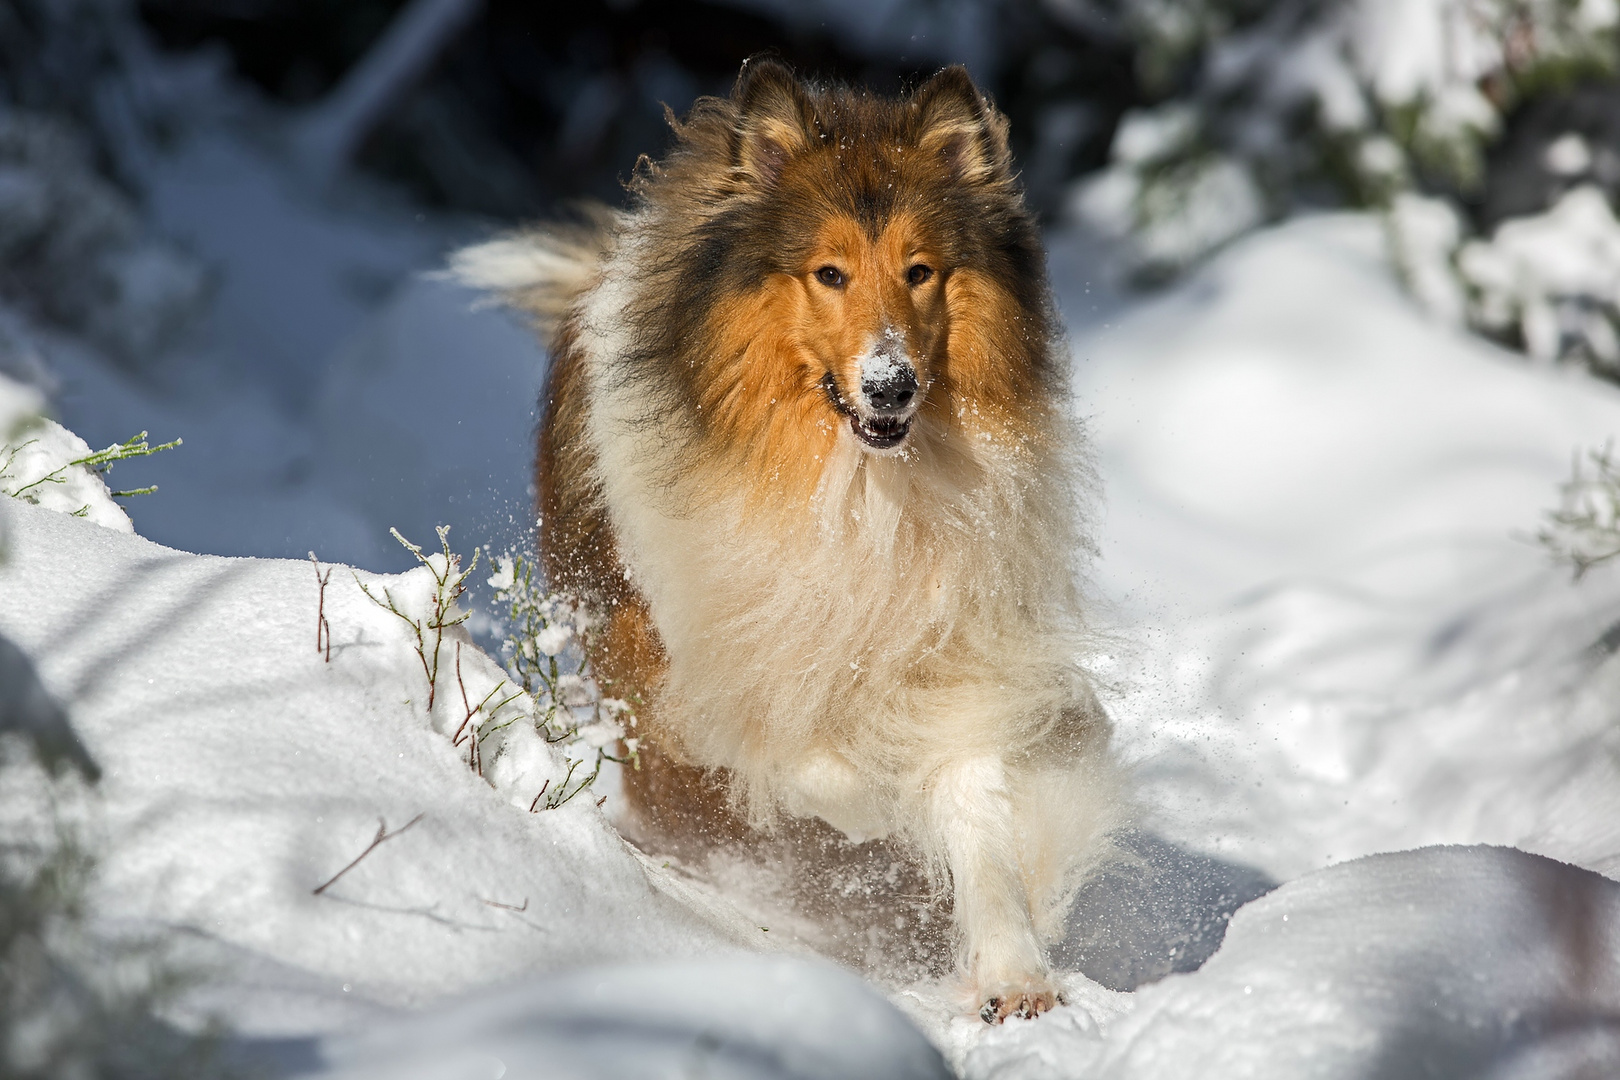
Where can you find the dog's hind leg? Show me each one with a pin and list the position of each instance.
(672, 805)
(970, 811)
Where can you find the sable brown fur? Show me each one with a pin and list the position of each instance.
(809, 449)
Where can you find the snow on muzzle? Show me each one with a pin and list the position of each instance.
(888, 396)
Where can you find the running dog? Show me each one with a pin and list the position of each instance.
(809, 448)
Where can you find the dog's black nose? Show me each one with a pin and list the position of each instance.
(891, 394)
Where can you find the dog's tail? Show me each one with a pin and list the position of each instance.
(541, 270)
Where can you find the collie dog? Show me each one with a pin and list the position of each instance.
(809, 448)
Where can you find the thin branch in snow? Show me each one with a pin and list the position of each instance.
(506, 907)
(449, 581)
(323, 629)
(564, 793)
(480, 731)
(455, 740)
(382, 834)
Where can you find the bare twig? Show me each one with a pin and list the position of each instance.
(455, 740)
(382, 834)
(387, 604)
(448, 586)
(323, 629)
(564, 793)
(507, 907)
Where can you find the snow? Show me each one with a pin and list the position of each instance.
(1553, 276)
(1376, 94)
(335, 390)
(241, 770)
(1331, 640)
(1361, 650)
(673, 1019)
(81, 251)
(40, 464)
(1447, 961)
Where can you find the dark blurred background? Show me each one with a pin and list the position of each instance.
(530, 104)
(222, 218)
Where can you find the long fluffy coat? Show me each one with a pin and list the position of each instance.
(879, 630)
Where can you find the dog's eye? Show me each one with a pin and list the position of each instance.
(919, 274)
(830, 276)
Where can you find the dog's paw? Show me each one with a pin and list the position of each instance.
(1026, 1004)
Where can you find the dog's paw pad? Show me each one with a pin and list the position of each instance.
(1025, 1005)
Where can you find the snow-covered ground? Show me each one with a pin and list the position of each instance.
(1331, 639)
(1320, 506)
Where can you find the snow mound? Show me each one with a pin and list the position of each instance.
(241, 771)
(1445, 961)
(736, 1019)
(40, 464)
(1362, 650)
(1438, 962)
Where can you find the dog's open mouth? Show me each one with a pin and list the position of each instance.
(880, 432)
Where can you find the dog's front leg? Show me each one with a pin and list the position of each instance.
(971, 814)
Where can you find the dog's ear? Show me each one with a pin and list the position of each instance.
(957, 124)
(775, 120)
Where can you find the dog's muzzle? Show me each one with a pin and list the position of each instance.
(890, 408)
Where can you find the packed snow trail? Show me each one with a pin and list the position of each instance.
(1320, 505)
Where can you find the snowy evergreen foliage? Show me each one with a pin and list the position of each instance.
(73, 249)
(1585, 529)
(1552, 281)
(1455, 117)
(1347, 101)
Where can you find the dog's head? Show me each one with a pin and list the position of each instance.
(872, 316)
(856, 262)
